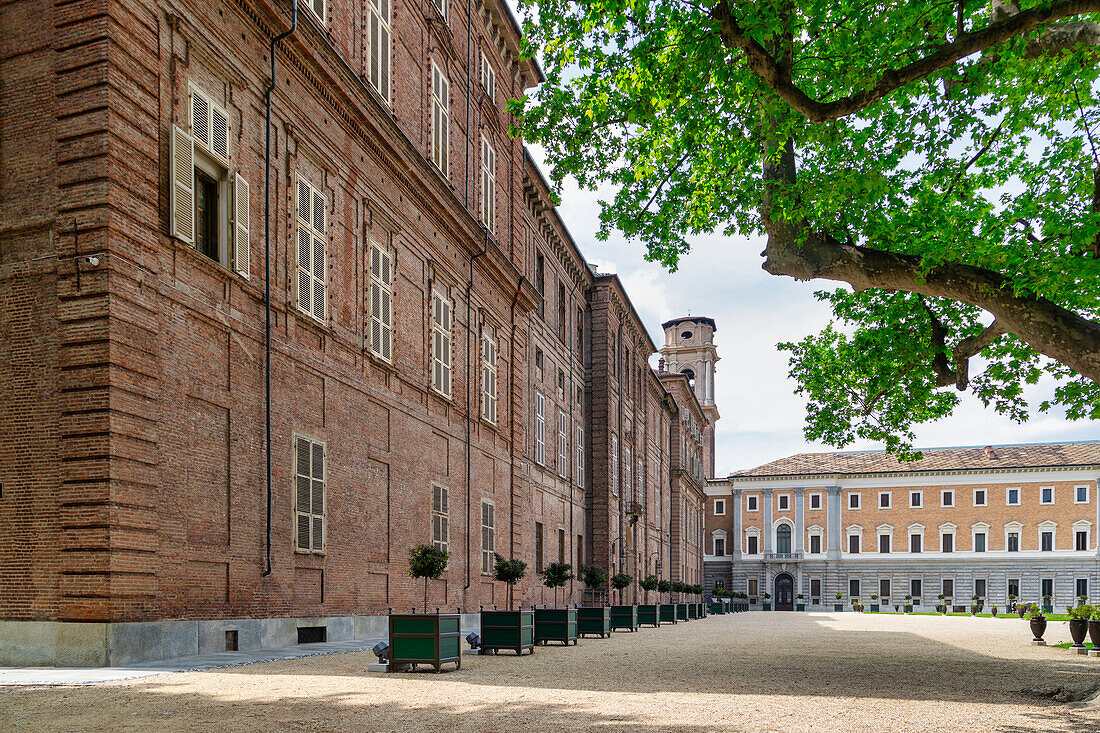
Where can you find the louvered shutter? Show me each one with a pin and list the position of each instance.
(219, 133)
(317, 503)
(319, 284)
(241, 248)
(200, 118)
(182, 198)
(303, 494)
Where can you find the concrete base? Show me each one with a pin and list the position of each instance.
(71, 644)
(1038, 642)
(378, 667)
(475, 652)
(1078, 650)
(1094, 652)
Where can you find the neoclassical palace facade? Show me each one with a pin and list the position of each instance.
(992, 522)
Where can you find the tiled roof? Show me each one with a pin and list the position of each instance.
(997, 457)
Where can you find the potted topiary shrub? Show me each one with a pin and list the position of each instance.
(718, 603)
(1079, 626)
(993, 611)
(556, 624)
(1048, 606)
(693, 606)
(801, 605)
(681, 605)
(593, 619)
(1037, 622)
(1094, 631)
(1021, 609)
(942, 607)
(668, 610)
(767, 601)
(974, 605)
(874, 604)
(1011, 606)
(623, 616)
(510, 629)
(649, 614)
(425, 638)
(838, 606)
(908, 604)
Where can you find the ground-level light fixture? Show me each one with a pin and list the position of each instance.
(381, 650)
(473, 640)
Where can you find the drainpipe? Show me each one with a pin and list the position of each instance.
(469, 407)
(619, 447)
(469, 65)
(267, 276)
(512, 423)
(572, 396)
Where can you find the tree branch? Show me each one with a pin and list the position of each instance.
(778, 78)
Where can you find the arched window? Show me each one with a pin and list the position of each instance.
(783, 538)
(691, 377)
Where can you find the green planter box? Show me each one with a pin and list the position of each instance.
(1048, 609)
(693, 610)
(800, 606)
(874, 608)
(668, 613)
(624, 617)
(556, 624)
(717, 608)
(594, 620)
(430, 638)
(838, 607)
(649, 614)
(681, 612)
(508, 630)
(767, 606)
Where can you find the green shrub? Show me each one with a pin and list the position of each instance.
(510, 572)
(427, 562)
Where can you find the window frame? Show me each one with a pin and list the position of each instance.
(1042, 491)
(488, 171)
(783, 502)
(949, 530)
(488, 78)
(985, 497)
(752, 503)
(1008, 496)
(944, 493)
(488, 536)
(1052, 528)
(381, 285)
(887, 533)
(580, 457)
(311, 515)
(318, 238)
(374, 48)
(440, 510)
(440, 104)
(855, 501)
(563, 444)
(815, 496)
(540, 428)
(489, 375)
(889, 496)
(1077, 488)
(442, 344)
(919, 494)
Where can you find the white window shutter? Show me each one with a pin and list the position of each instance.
(219, 132)
(200, 118)
(182, 197)
(241, 249)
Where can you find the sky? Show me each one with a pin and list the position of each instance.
(762, 417)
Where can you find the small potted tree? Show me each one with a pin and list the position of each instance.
(623, 616)
(942, 607)
(974, 605)
(838, 606)
(668, 610)
(1038, 623)
(510, 629)
(425, 638)
(649, 613)
(1011, 607)
(693, 606)
(801, 605)
(767, 601)
(1048, 605)
(556, 624)
(593, 619)
(908, 604)
(874, 604)
(680, 589)
(1079, 626)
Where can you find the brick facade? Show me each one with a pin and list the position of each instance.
(132, 448)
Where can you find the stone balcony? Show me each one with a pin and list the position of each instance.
(783, 557)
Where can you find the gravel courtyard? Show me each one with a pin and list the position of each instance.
(745, 672)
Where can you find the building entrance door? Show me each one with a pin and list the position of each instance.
(784, 592)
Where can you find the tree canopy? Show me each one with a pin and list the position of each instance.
(937, 159)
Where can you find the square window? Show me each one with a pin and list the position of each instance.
(947, 498)
(1047, 495)
(815, 501)
(916, 499)
(752, 502)
(719, 507)
(884, 500)
(979, 497)
(1081, 540)
(853, 501)
(1012, 497)
(1081, 494)
(784, 502)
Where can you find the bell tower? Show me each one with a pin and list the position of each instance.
(689, 349)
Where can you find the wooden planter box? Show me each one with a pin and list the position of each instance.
(717, 608)
(693, 610)
(649, 614)
(767, 606)
(508, 630)
(556, 624)
(874, 608)
(431, 638)
(668, 613)
(594, 620)
(800, 606)
(624, 617)
(681, 612)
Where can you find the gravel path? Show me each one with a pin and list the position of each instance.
(745, 672)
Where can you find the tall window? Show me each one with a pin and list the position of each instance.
(563, 444)
(979, 541)
(614, 461)
(1081, 540)
(884, 543)
(628, 479)
(947, 541)
(441, 117)
(488, 377)
(561, 545)
(884, 588)
(815, 544)
(580, 335)
(719, 546)
(441, 6)
(783, 538)
(916, 542)
(580, 550)
(488, 186)
(540, 428)
(853, 587)
(538, 547)
(378, 46)
(753, 547)
(488, 78)
(381, 302)
(1082, 587)
(1014, 587)
(753, 587)
(580, 456)
(488, 536)
(1013, 541)
(562, 325)
(1046, 587)
(540, 281)
(441, 530)
(979, 587)
(947, 587)
(441, 344)
(916, 588)
(853, 544)
(815, 589)
(1046, 539)
(309, 495)
(311, 251)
